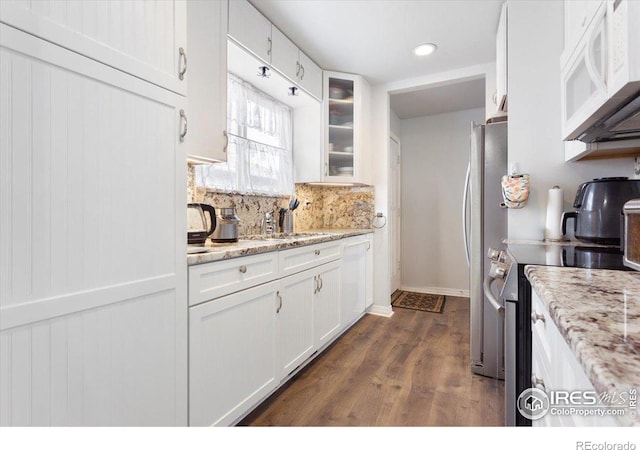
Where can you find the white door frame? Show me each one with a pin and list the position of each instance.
(395, 210)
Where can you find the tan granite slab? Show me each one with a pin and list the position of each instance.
(258, 244)
(598, 314)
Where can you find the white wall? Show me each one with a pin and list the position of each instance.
(435, 153)
(535, 44)
(395, 123)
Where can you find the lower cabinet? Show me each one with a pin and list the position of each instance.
(244, 345)
(232, 354)
(554, 367)
(295, 320)
(326, 304)
(357, 278)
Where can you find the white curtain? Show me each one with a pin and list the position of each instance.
(259, 155)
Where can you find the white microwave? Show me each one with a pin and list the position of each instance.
(601, 78)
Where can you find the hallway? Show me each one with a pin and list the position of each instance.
(409, 370)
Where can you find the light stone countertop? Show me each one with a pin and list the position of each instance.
(598, 314)
(258, 244)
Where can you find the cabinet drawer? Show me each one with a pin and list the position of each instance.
(213, 280)
(299, 259)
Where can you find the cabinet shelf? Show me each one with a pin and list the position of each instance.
(341, 127)
(341, 101)
(343, 155)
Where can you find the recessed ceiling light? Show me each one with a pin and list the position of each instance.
(424, 49)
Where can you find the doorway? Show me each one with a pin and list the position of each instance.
(395, 212)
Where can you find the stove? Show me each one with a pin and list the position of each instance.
(515, 294)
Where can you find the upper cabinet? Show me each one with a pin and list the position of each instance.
(502, 75)
(250, 29)
(207, 100)
(145, 39)
(295, 65)
(257, 35)
(578, 15)
(346, 117)
(342, 156)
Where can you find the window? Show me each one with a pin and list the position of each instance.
(259, 155)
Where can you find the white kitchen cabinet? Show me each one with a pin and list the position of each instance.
(250, 29)
(584, 77)
(295, 341)
(298, 259)
(326, 303)
(502, 45)
(295, 65)
(356, 279)
(554, 367)
(232, 355)
(145, 39)
(93, 300)
(207, 104)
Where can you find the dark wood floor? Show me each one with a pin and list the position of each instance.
(409, 370)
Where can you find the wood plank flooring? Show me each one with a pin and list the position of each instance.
(409, 370)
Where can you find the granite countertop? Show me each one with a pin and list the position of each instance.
(253, 245)
(598, 314)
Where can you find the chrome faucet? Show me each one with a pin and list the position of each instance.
(268, 223)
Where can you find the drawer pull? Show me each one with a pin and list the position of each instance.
(317, 252)
(535, 317)
(243, 269)
(537, 382)
(280, 302)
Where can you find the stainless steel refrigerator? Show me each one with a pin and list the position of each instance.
(484, 227)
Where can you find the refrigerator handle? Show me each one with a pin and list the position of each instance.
(465, 201)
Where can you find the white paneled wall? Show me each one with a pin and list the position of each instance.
(71, 191)
(69, 370)
(139, 37)
(93, 308)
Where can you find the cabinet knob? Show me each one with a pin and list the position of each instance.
(317, 252)
(535, 317)
(243, 269)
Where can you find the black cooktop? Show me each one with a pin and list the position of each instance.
(569, 255)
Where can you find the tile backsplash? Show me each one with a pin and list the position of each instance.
(320, 206)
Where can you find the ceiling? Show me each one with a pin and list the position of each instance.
(439, 100)
(374, 38)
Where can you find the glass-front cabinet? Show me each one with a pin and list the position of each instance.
(340, 127)
(344, 118)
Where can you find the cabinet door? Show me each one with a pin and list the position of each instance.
(501, 60)
(250, 29)
(295, 321)
(92, 297)
(310, 76)
(140, 38)
(284, 56)
(354, 280)
(207, 102)
(326, 304)
(231, 355)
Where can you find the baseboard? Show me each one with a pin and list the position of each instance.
(377, 310)
(437, 291)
